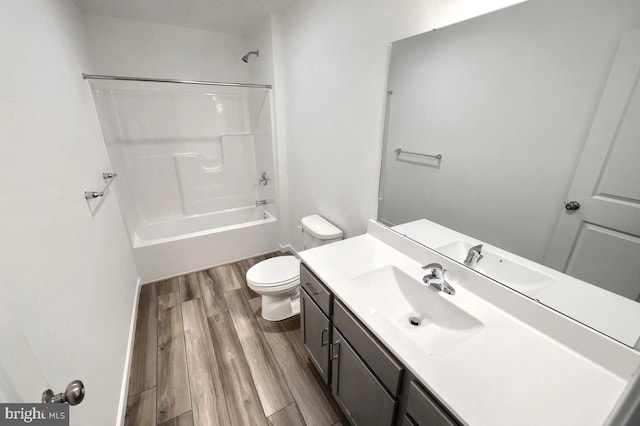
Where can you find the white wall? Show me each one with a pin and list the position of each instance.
(260, 70)
(68, 277)
(141, 49)
(267, 69)
(334, 62)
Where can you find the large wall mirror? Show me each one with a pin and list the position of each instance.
(535, 112)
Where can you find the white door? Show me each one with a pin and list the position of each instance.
(21, 376)
(600, 241)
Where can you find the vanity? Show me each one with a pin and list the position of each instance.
(395, 351)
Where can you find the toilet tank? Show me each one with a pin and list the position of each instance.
(318, 231)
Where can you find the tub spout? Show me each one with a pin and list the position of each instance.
(261, 202)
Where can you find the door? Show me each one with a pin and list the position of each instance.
(599, 240)
(362, 397)
(21, 377)
(315, 334)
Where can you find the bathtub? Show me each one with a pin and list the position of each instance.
(171, 247)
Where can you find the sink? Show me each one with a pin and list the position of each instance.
(515, 275)
(391, 298)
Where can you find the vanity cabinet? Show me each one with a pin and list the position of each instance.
(371, 386)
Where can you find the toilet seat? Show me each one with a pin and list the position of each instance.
(275, 274)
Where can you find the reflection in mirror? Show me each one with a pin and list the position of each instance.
(532, 107)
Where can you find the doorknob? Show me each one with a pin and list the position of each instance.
(572, 205)
(73, 395)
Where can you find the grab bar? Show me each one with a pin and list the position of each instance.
(401, 151)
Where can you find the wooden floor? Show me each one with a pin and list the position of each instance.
(203, 355)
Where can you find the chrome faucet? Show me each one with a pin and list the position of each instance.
(261, 203)
(474, 256)
(436, 278)
(264, 179)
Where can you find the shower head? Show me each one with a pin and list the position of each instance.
(245, 58)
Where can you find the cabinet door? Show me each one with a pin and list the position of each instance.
(424, 410)
(384, 365)
(408, 421)
(315, 334)
(362, 397)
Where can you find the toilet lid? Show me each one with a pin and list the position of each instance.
(274, 271)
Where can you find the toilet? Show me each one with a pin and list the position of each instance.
(278, 279)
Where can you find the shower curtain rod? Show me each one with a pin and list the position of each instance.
(167, 80)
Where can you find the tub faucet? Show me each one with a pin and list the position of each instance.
(435, 278)
(261, 203)
(264, 179)
(474, 256)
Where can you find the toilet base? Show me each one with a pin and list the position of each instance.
(278, 308)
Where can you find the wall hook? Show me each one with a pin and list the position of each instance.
(90, 195)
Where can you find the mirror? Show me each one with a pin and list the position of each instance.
(525, 105)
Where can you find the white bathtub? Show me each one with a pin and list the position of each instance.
(173, 247)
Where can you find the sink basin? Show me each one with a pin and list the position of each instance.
(515, 275)
(391, 298)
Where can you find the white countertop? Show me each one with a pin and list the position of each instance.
(511, 372)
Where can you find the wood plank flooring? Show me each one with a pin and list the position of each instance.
(203, 355)
(172, 376)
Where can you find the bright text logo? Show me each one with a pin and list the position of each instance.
(34, 414)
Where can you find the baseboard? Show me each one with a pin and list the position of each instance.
(288, 248)
(122, 407)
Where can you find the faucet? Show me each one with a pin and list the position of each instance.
(436, 278)
(264, 179)
(474, 257)
(261, 203)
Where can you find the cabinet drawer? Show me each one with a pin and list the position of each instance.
(383, 364)
(315, 289)
(425, 410)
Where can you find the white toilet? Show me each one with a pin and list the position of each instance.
(278, 279)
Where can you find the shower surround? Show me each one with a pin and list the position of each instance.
(189, 159)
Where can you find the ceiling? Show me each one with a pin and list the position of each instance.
(230, 16)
